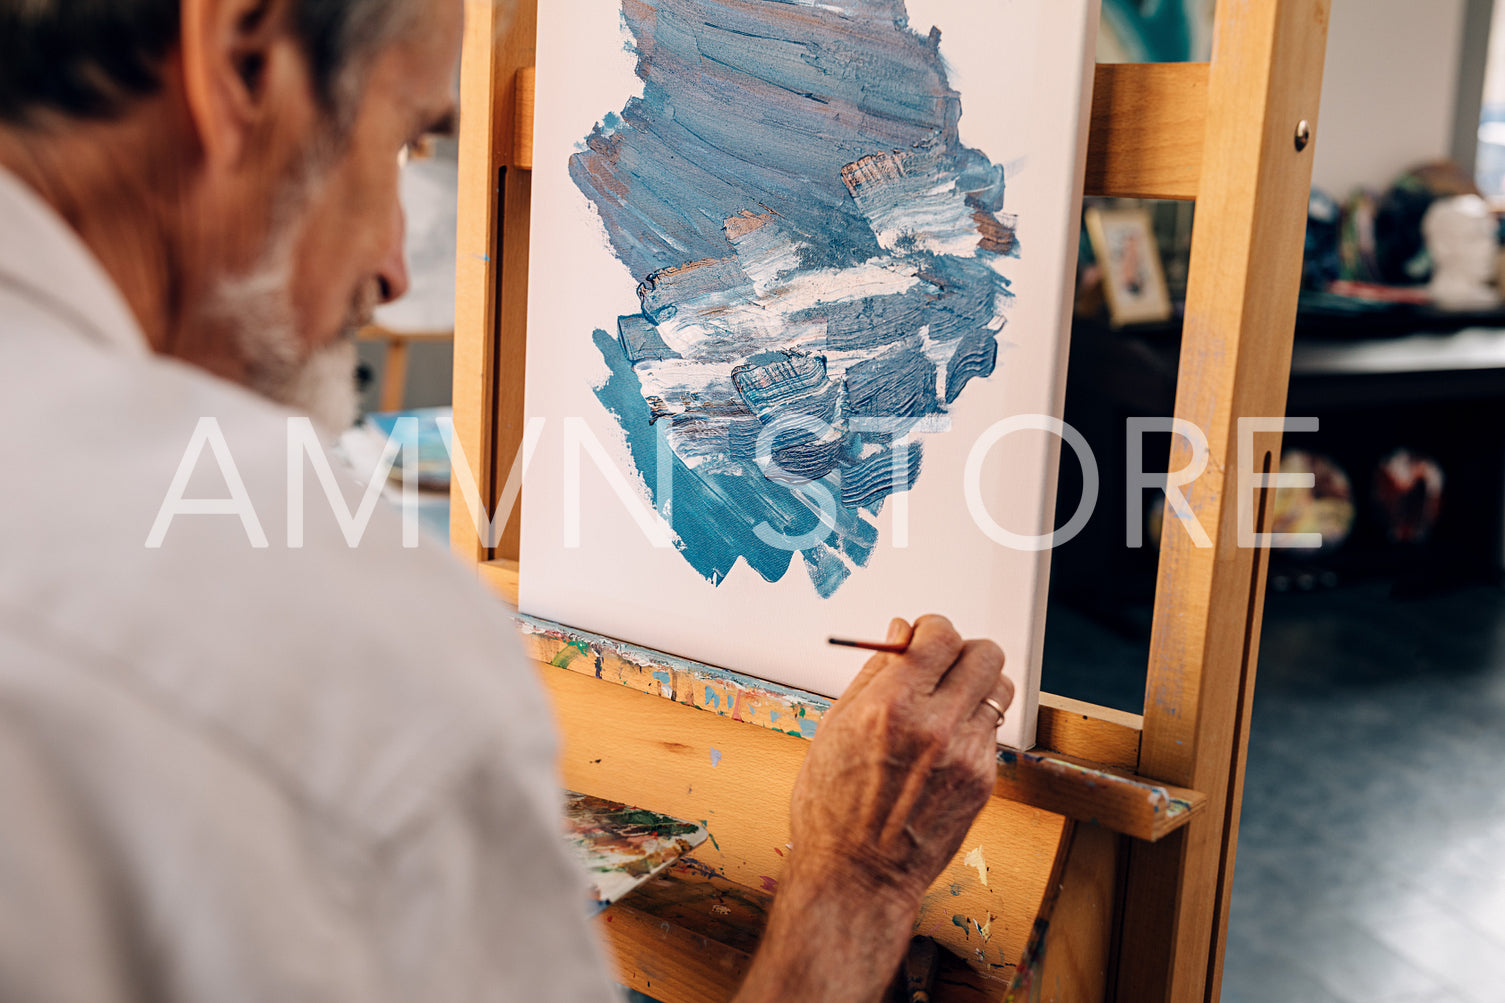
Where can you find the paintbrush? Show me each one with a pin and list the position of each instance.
(889, 647)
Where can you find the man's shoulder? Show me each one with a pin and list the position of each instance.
(367, 676)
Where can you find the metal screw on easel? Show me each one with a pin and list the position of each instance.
(1303, 135)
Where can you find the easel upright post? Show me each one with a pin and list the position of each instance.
(1265, 79)
(491, 265)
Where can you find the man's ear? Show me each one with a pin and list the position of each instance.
(228, 50)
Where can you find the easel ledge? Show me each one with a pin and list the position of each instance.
(1100, 792)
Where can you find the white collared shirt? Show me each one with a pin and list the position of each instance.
(233, 773)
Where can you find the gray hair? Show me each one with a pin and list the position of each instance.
(92, 58)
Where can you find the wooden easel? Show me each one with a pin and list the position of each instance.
(1106, 855)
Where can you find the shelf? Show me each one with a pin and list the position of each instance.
(1137, 367)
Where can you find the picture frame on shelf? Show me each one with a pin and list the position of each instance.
(1128, 255)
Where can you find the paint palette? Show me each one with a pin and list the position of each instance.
(619, 847)
(799, 298)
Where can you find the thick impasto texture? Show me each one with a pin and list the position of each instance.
(818, 257)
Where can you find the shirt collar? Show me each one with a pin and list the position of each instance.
(42, 259)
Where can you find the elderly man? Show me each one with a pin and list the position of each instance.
(234, 769)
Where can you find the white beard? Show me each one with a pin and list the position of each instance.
(322, 387)
(257, 310)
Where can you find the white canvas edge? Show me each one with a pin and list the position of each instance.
(1067, 308)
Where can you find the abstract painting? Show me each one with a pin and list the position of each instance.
(832, 253)
(868, 293)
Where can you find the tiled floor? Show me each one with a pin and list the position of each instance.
(1371, 864)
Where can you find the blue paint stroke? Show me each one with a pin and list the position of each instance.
(711, 699)
(815, 250)
(715, 758)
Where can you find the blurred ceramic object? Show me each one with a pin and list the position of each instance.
(1320, 265)
(1463, 240)
(1400, 250)
(1358, 247)
(1326, 509)
(1408, 494)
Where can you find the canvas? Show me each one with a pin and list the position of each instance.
(798, 305)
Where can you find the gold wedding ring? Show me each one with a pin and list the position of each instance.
(997, 707)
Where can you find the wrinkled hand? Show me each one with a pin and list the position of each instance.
(899, 768)
(901, 765)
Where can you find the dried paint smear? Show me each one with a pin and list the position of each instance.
(974, 858)
(818, 257)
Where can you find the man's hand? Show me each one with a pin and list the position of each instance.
(901, 764)
(900, 767)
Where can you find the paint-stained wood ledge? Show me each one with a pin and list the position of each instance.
(1098, 787)
(1064, 785)
(1088, 732)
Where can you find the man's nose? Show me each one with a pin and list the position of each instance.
(392, 273)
